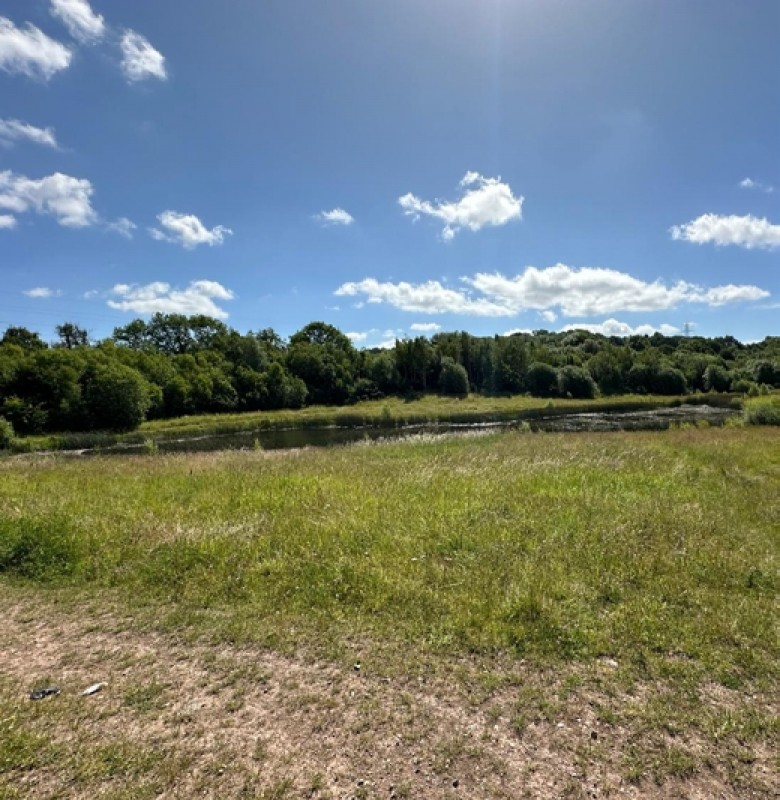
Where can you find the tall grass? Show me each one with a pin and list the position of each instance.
(762, 410)
(635, 546)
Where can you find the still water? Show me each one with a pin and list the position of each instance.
(644, 420)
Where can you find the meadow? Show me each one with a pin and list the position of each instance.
(499, 615)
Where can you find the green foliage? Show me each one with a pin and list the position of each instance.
(576, 382)
(197, 365)
(716, 379)
(542, 380)
(71, 335)
(6, 434)
(768, 372)
(25, 416)
(453, 378)
(115, 397)
(23, 338)
(762, 410)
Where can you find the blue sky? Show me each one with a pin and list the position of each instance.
(392, 168)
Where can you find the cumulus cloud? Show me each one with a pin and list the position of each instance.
(731, 293)
(80, 20)
(7, 222)
(29, 51)
(749, 232)
(487, 202)
(425, 327)
(123, 226)
(42, 293)
(613, 327)
(430, 297)
(591, 291)
(140, 60)
(749, 183)
(338, 216)
(198, 298)
(375, 338)
(585, 292)
(14, 130)
(187, 230)
(65, 198)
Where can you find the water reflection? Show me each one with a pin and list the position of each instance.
(647, 419)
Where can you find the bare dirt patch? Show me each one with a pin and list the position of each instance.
(181, 720)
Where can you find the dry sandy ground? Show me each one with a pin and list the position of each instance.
(182, 720)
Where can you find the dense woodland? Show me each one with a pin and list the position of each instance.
(173, 365)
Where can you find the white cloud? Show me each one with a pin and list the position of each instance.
(612, 327)
(425, 327)
(591, 291)
(197, 298)
(548, 316)
(80, 20)
(724, 295)
(31, 52)
(335, 217)
(513, 331)
(140, 60)
(381, 340)
(430, 297)
(748, 231)
(389, 340)
(187, 230)
(12, 130)
(586, 292)
(749, 183)
(488, 202)
(61, 196)
(7, 222)
(123, 226)
(42, 293)
(91, 294)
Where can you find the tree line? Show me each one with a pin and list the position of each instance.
(172, 365)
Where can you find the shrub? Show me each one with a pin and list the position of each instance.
(716, 379)
(6, 434)
(116, 397)
(576, 382)
(542, 380)
(762, 410)
(453, 378)
(743, 386)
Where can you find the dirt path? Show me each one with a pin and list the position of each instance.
(182, 720)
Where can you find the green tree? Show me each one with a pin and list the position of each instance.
(716, 379)
(115, 397)
(6, 434)
(542, 380)
(576, 382)
(453, 378)
(72, 336)
(27, 340)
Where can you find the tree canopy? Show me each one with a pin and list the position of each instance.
(172, 364)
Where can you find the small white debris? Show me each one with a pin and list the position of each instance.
(94, 689)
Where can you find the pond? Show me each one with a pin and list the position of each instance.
(555, 421)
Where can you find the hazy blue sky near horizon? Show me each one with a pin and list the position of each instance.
(392, 168)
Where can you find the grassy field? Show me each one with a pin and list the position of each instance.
(389, 412)
(492, 616)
